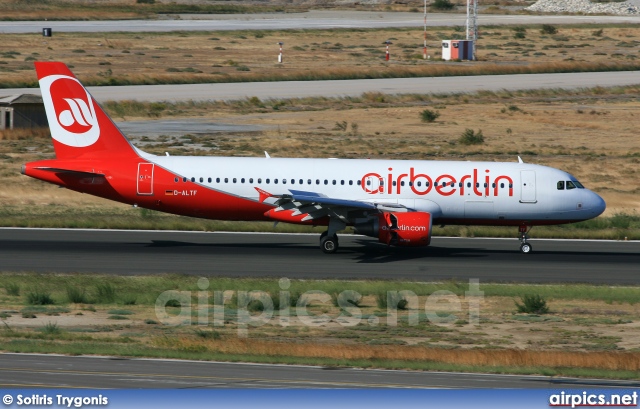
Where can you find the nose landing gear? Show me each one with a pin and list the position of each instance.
(525, 246)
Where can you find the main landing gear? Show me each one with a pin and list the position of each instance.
(329, 244)
(525, 246)
(329, 239)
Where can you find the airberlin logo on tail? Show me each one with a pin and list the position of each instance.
(70, 111)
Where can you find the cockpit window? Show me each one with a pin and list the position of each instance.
(561, 185)
(578, 184)
(570, 185)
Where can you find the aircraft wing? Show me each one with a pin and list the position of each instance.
(302, 206)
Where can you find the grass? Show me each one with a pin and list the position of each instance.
(568, 343)
(606, 365)
(148, 288)
(17, 10)
(39, 297)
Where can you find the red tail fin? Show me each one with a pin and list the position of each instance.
(79, 126)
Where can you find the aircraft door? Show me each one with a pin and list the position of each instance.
(145, 179)
(528, 186)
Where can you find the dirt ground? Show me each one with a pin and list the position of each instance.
(253, 55)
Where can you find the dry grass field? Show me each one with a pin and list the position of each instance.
(177, 57)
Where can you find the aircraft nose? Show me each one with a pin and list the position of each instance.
(596, 204)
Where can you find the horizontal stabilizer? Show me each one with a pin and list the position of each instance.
(72, 172)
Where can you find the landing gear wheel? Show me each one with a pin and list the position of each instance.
(526, 248)
(323, 235)
(329, 244)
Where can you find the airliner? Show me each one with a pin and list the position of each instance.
(396, 201)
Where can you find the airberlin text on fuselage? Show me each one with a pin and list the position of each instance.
(445, 185)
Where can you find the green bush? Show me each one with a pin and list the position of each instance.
(76, 295)
(51, 329)
(532, 304)
(470, 137)
(548, 29)
(12, 289)
(442, 5)
(37, 297)
(429, 116)
(105, 293)
(519, 32)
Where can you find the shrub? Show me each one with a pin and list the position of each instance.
(347, 298)
(548, 29)
(51, 329)
(519, 32)
(597, 33)
(105, 293)
(442, 5)
(76, 295)
(37, 297)
(429, 116)
(208, 334)
(470, 137)
(12, 289)
(532, 304)
(398, 299)
(146, 1)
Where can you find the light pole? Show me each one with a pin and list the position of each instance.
(280, 55)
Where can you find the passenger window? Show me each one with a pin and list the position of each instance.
(410, 183)
(250, 180)
(308, 181)
(570, 185)
(460, 184)
(284, 181)
(274, 181)
(501, 185)
(350, 182)
(217, 180)
(317, 181)
(326, 182)
(394, 183)
(226, 180)
(259, 180)
(334, 182)
(510, 185)
(402, 183)
(342, 182)
(266, 181)
(561, 185)
(485, 185)
(301, 181)
(368, 182)
(176, 180)
(242, 180)
(468, 184)
(201, 180)
(359, 182)
(209, 180)
(193, 179)
(184, 179)
(493, 185)
(477, 184)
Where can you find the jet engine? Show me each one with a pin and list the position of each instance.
(410, 229)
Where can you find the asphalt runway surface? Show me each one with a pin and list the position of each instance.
(299, 257)
(298, 21)
(341, 88)
(53, 371)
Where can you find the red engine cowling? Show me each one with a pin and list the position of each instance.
(409, 229)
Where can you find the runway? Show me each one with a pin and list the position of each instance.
(298, 257)
(316, 19)
(341, 88)
(54, 371)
